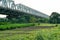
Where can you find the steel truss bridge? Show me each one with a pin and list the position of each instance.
(8, 7)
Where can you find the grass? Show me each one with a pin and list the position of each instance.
(49, 34)
(39, 34)
(13, 26)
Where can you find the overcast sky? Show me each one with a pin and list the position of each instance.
(45, 6)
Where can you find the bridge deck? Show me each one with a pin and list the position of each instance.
(8, 11)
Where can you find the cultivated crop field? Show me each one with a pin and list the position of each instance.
(14, 26)
(40, 33)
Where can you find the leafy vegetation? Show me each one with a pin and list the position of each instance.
(55, 18)
(39, 34)
(23, 18)
(14, 26)
(26, 18)
(13, 22)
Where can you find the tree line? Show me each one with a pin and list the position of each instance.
(26, 18)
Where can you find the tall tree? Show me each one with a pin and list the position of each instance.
(55, 17)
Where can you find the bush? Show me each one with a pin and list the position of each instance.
(13, 26)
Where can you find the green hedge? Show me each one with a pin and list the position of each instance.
(13, 26)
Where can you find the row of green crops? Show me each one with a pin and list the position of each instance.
(13, 26)
(48, 34)
(40, 34)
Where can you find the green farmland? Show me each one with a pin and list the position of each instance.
(14, 26)
(48, 33)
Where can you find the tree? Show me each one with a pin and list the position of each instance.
(55, 17)
(32, 19)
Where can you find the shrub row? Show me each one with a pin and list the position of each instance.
(13, 26)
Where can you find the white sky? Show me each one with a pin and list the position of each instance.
(45, 6)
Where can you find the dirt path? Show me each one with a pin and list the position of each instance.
(33, 28)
